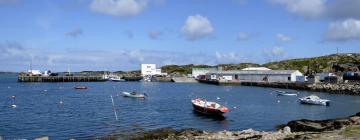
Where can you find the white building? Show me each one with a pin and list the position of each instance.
(202, 71)
(150, 69)
(255, 75)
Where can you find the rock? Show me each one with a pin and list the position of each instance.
(287, 130)
(355, 120)
(340, 123)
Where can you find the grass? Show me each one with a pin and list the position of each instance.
(351, 131)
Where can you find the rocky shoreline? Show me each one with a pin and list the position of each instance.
(351, 88)
(334, 129)
(339, 88)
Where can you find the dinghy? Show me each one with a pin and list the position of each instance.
(134, 95)
(80, 87)
(286, 93)
(208, 107)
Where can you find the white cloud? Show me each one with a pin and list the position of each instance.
(242, 36)
(196, 27)
(121, 8)
(231, 57)
(282, 37)
(343, 9)
(305, 8)
(275, 53)
(343, 30)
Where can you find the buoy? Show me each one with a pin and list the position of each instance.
(13, 96)
(235, 107)
(13, 106)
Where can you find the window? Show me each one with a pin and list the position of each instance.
(289, 78)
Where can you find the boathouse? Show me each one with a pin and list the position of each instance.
(283, 76)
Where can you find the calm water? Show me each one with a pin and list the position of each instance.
(87, 114)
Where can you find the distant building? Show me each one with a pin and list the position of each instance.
(150, 69)
(256, 68)
(196, 72)
(34, 72)
(255, 75)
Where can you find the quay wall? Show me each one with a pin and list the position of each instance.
(60, 79)
(335, 88)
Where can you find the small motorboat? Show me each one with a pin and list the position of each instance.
(134, 94)
(286, 93)
(315, 100)
(208, 107)
(80, 87)
(116, 79)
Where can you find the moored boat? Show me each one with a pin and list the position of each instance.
(134, 94)
(315, 100)
(116, 79)
(80, 87)
(286, 93)
(208, 107)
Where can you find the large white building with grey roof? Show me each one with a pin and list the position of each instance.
(283, 76)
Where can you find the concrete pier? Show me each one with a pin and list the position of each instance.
(23, 78)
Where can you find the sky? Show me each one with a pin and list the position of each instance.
(122, 34)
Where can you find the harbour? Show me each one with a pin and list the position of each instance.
(88, 114)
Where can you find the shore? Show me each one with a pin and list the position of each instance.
(347, 128)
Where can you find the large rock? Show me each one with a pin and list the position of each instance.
(318, 125)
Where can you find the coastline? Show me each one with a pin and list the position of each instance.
(347, 88)
(340, 128)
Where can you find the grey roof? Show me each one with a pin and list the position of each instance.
(256, 72)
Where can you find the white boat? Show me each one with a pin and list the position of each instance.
(134, 95)
(286, 93)
(315, 100)
(116, 79)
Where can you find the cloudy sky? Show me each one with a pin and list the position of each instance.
(121, 34)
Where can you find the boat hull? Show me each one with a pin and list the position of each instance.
(207, 111)
(325, 103)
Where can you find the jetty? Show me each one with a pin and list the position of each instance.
(26, 78)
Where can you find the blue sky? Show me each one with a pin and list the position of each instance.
(122, 34)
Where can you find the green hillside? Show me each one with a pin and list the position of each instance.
(327, 63)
